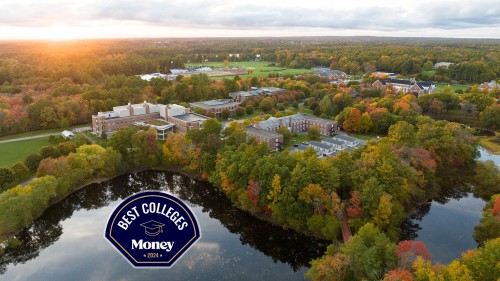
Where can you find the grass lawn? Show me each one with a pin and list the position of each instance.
(100, 141)
(39, 132)
(300, 138)
(17, 151)
(363, 136)
(259, 68)
(429, 72)
(441, 86)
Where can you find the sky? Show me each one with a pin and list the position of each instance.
(79, 19)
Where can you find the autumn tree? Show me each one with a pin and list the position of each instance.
(398, 275)
(489, 227)
(352, 122)
(369, 254)
(490, 117)
(275, 191)
(403, 134)
(355, 210)
(407, 251)
(313, 133)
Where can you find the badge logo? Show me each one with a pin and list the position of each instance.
(152, 229)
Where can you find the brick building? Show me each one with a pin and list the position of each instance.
(273, 140)
(164, 118)
(106, 123)
(215, 106)
(298, 123)
(406, 85)
(255, 92)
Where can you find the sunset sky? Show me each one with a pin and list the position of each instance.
(72, 19)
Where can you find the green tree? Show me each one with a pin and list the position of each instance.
(6, 177)
(490, 117)
(249, 109)
(48, 118)
(403, 134)
(313, 133)
(489, 227)
(32, 161)
(287, 135)
(428, 65)
(20, 171)
(225, 114)
(49, 151)
(483, 262)
(368, 255)
(266, 104)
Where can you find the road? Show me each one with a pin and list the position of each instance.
(82, 129)
(30, 137)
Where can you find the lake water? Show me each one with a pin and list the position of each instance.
(446, 224)
(67, 242)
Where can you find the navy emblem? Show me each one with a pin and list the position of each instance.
(152, 229)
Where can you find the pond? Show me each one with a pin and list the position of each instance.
(446, 224)
(67, 242)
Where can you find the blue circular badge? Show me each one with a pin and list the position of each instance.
(152, 229)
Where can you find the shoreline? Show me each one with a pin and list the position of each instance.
(171, 170)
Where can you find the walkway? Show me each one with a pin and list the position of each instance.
(30, 137)
(76, 130)
(346, 231)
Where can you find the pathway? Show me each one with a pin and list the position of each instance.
(76, 130)
(30, 137)
(346, 231)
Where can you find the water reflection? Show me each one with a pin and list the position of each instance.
(67, 242)
(446, 222)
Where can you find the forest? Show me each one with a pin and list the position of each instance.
(48, 85)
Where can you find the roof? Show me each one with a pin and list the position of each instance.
(257, 92)
(318, 144)
(264, 133)
(274, 122)
(67, 134)
(332, 141)
(191, 117)
(214, 103)
(351, 148)
(345, 138)
(317, 119)
(420, 84)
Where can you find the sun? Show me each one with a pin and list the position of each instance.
(59, 31)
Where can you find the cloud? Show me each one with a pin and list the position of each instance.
(389, 15)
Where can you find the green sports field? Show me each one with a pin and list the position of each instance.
(257, 68)
(441, 86)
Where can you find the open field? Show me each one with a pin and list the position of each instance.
(17, 151)
(257, 68)
(429, 72)
(441, 86)
(365, 137)
(39, 132)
